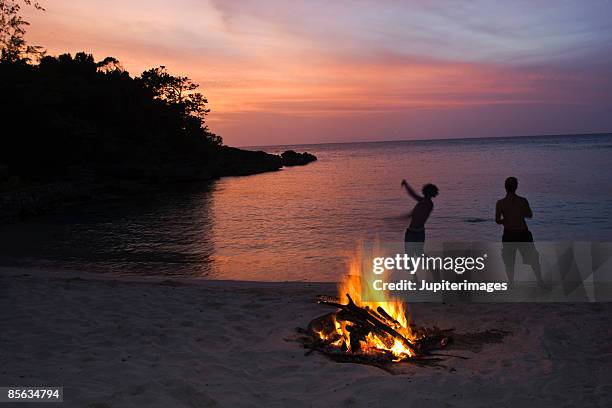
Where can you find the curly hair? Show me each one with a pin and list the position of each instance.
(430, 190)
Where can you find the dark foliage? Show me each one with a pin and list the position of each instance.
(70, 113)
(13, 46)
(74, 130)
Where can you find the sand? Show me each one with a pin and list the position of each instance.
(116, 343)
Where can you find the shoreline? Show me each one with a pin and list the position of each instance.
(25, 200)
(76, 275)
(113, 343)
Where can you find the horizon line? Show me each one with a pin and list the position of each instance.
(432, 139)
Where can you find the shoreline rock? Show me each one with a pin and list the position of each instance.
(20, 201)
(293, 158)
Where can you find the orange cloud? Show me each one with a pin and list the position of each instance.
(289, 64)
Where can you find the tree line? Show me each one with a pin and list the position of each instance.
(64, 112)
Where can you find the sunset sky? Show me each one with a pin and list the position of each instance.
(283, 72)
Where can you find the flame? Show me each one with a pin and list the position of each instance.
(396, 309)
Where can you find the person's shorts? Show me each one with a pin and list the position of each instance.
(414, 242)
(521, 241)
(414, 236)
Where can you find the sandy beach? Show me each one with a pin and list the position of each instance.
(113, 343)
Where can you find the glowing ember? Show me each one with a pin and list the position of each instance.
(368, 327)
(377, 325)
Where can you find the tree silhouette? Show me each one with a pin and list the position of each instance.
(71, 117)
(12, 32)
(177, 90)
(93, 114)
(110, 65)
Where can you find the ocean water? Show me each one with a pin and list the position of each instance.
(303, 223)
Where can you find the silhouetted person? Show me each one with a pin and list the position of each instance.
(415, 233)
(511, 212)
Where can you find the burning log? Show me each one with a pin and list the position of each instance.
(373, 331)
(376, 331)
(386, 316)
(369, 334)
(365, 321)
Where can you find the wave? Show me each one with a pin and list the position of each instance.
(474, 220)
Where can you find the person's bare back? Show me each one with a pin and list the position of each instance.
(511, 212)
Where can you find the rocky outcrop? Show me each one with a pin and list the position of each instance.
(20, 200)
(231, 161)
(293, 158)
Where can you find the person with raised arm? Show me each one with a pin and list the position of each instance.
(414, 237)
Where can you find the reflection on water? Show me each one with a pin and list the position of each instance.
(302, 223)
(166, 234)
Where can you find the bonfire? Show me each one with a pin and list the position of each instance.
(370, 327)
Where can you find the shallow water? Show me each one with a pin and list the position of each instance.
(302, 223)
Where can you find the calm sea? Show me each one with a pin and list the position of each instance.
(302, 223)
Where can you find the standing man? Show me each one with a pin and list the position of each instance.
(511, 212)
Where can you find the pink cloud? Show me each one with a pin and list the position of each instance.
(313, 74)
